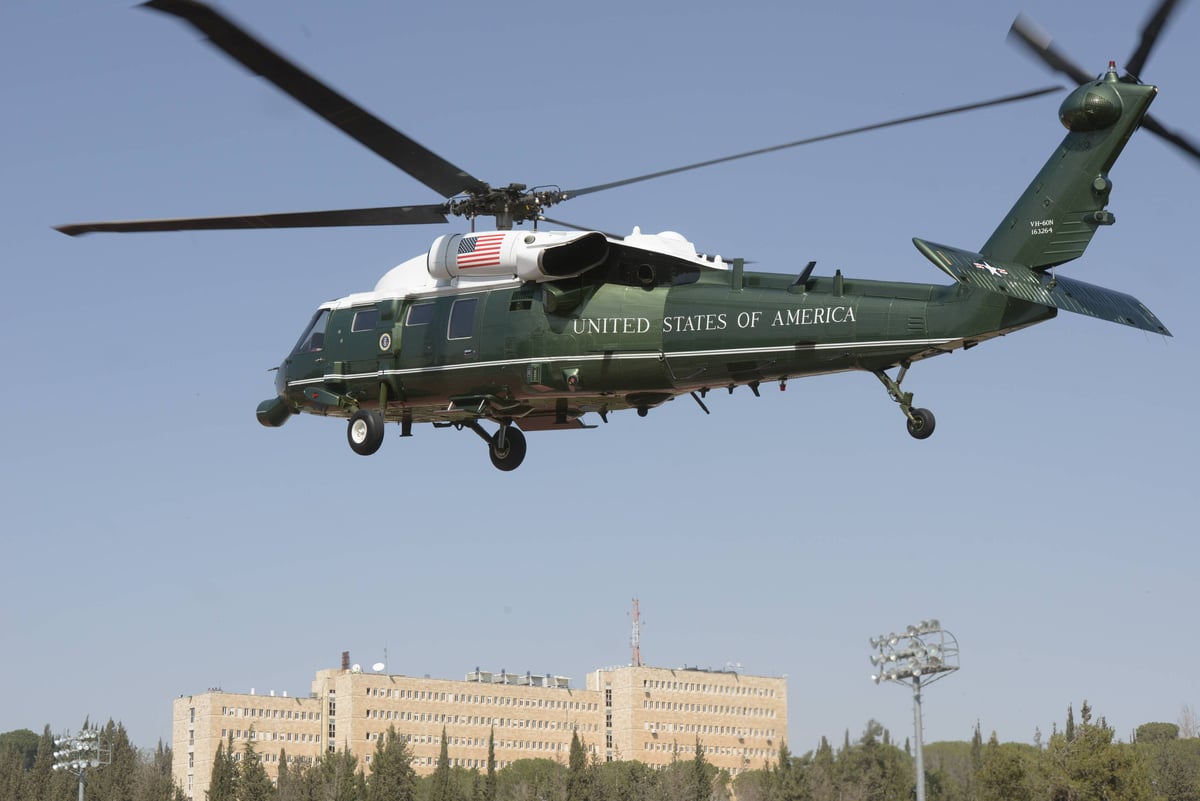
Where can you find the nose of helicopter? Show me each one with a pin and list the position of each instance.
(276, 411)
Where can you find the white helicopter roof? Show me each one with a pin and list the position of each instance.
(412, 277)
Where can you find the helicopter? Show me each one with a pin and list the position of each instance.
(532, 329)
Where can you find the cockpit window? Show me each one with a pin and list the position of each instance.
(365, 320)
(313, 339)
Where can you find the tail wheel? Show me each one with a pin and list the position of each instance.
(365, 432)
(507, 448)
(921, 423)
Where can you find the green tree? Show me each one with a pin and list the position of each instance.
(253, 782)
(489, 790)
(1173, 764)
(1091, 767)
(393, 777)
(822, 780)
(39, 783)
(23, 744)
(702, 774)
(153, 780)
(621, 781)
(222, 784)
(285, 788)
(1003, 773)
(114, 781)
(789, 780)
(440, 789)
(339, 777)
(1156, 732)
(871, 770)
(532, 780)
(578, 779)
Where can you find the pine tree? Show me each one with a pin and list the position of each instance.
(392, 775)
(253, 782)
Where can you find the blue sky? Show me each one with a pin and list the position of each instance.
(158, 541)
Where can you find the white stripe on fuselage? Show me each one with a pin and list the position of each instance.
(615, 355)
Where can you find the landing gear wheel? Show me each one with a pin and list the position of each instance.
(365, 432)
(921, 424)
(510, 454)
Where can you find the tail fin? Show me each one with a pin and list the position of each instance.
(1057, 216)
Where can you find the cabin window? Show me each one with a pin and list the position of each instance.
(365, 320)
(420, 314)
(313, 339)
(462, 319)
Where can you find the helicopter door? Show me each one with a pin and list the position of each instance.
(460, 331)
(417, 347)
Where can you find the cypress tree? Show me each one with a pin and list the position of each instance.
(701, 779)
(222, 785)
(489, 791)
(577, 771)
(439, 787)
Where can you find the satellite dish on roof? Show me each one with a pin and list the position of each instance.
(356, 668)
(378, 667)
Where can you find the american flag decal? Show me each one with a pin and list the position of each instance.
(482, 250)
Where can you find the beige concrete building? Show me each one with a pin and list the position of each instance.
(624, 713)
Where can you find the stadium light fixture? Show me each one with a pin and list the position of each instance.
(923, 654)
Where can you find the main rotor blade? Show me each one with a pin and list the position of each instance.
(384, 215)
(416, 160)
(1040, 44)
(1179, 140)
(823, 137)
(1150, 33)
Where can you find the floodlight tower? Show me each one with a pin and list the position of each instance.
(924, 651)
(81, 751)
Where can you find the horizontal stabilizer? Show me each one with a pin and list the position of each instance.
(1018, 281)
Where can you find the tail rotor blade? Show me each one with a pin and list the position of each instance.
(1179, 140)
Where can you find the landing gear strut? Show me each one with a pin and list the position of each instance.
(506, 447)
(920, 421)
